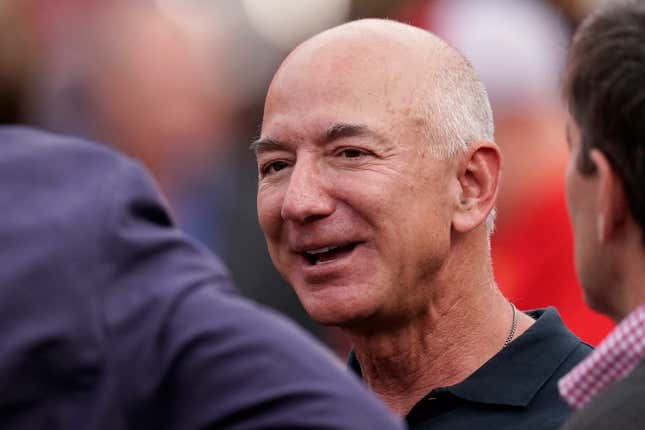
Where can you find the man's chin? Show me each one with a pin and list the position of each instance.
(340, 315)
(333, 318)
(362, 319)
(341, 304)
(604, 303)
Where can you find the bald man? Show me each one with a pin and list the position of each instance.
(377, 181)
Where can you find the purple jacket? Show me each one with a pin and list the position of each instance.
(111, 318)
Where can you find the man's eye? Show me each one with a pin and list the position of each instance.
(352, 153)
(273, 167)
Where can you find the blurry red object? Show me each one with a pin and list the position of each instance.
(534, 264)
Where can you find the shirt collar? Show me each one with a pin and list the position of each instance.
(532, 358)
(615, 358)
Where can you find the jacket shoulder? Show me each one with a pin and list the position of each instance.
(620, 405)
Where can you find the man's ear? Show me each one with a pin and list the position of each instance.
(611, 201)
(479, 175)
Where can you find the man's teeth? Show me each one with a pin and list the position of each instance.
(321, 250)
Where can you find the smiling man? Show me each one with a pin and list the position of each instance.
(377, 179)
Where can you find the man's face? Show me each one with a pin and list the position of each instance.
(355, 211)
(581, 194)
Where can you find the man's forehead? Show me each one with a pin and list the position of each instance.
(325, 70)
(314, 114)
(375, 61)
(325, 122)
(320, 93)
(358, 74)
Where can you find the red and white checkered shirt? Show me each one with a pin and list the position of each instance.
(615, 358)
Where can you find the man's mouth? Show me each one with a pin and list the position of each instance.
(328, 253)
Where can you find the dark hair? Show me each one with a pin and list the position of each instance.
(605, 87)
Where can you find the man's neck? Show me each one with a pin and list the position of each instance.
(623, 289)
(440, 348)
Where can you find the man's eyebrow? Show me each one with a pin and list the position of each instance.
(334, 132)
(266, 144)
(341, 130)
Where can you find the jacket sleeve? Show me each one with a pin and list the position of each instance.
(238, 366)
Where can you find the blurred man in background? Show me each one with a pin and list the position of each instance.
(377, 178)
(605, 88)
(111, 318)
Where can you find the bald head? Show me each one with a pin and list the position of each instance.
(412, 74)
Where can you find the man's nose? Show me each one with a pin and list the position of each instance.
(307, 197)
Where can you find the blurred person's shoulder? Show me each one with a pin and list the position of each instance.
(619, 405)
(103, 295)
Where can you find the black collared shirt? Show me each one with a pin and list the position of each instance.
(516, 389)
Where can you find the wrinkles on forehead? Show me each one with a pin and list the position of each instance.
(368, 64)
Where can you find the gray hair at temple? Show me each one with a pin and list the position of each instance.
(458, 111)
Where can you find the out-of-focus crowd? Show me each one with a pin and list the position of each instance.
(179, 84)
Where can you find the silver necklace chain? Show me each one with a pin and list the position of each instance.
(511, 335)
